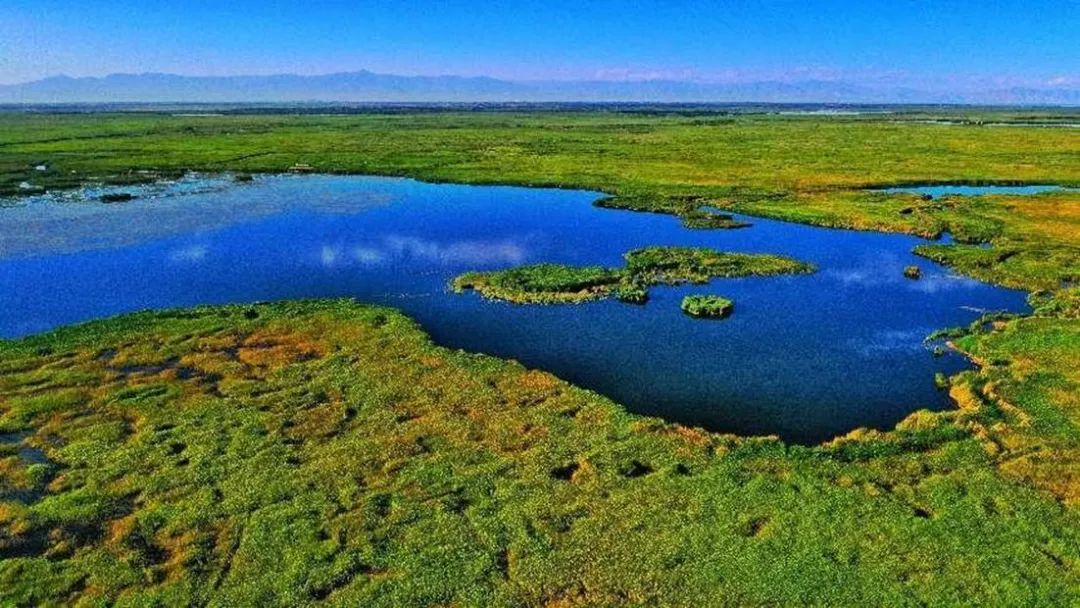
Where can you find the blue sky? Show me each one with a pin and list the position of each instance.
(950, 44)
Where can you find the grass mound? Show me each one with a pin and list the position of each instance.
(704, 306)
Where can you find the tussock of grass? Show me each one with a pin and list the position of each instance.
(709, 307)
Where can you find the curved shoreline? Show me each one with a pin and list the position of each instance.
(602, 196)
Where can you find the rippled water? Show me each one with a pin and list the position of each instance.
(805, 357)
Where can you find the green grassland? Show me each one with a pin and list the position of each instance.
(327, 451)
(559, 284)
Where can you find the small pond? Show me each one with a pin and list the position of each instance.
(938, 191)
(805, 357)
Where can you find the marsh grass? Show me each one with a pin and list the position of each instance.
(542, 283)
(560, 284)
(707, 306)
(696, 212)
(674, 265)
(309, 452)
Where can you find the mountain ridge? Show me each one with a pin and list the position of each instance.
(368, 86)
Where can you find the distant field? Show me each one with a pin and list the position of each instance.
(801, 168)
(615, 152)
(326, 451)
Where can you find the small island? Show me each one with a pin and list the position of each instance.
(561, 284)
(707, 307)
(117, 197)
(696, 212)
(912, 272)
(542, 283)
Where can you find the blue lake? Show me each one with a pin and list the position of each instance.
(804, 357)
(946, 190)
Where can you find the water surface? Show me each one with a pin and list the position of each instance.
(937, 191)
(806, 357)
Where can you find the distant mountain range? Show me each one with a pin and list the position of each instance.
(364, 86)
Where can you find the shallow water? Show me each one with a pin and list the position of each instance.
(805, 357)
(945, 190)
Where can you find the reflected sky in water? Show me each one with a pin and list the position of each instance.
(805, 357)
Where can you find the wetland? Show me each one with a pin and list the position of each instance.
(808, 357)
(361, 452)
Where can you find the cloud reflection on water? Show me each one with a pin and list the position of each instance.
(194, 253)
(75, 221)
(399, 247)
(890, 340)
(887, 269)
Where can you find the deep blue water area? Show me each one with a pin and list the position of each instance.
(804, 357)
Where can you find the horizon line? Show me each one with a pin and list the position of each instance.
(1057, 83)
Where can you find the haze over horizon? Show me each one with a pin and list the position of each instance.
(900, 51)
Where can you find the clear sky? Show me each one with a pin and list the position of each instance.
(955, 43)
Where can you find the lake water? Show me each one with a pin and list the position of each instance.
(944, 190)
(805, 357)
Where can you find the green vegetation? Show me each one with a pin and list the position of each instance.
(674, 265)
(704, 306)
(558, 284)
(941, 381)
(309, 452)
(695, 211)
(542, 283)
(912, 272)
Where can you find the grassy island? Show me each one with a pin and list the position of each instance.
(696, 212)
(557, 283)
(542, 283)
(674, 265)
(708, 307)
